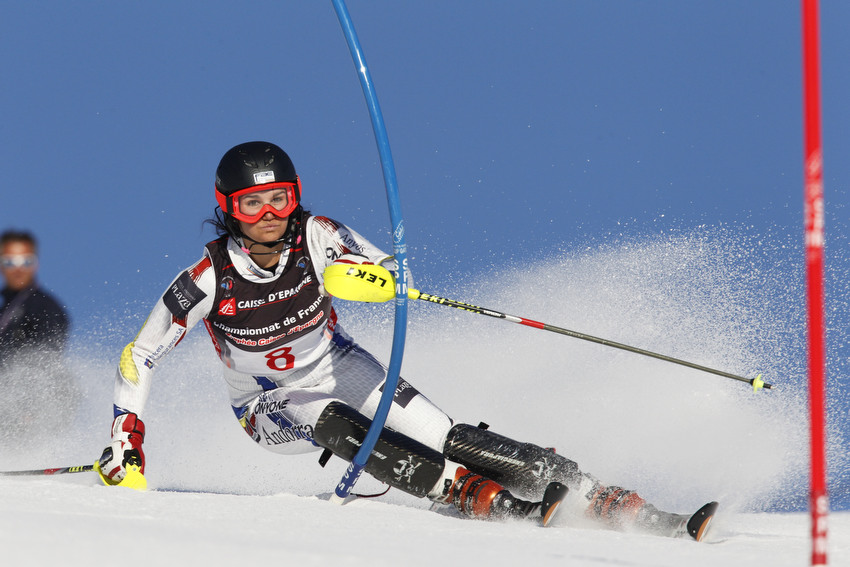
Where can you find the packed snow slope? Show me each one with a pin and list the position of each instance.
(53, 522)
(680, 437)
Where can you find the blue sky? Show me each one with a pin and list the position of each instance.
(519, 129)
(551, 119)
(515, 127)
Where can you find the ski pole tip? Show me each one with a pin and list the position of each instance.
(337, 499)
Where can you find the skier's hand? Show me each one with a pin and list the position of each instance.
(128, 433)
(391, 265)
(387, 263)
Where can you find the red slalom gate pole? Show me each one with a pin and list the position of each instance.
(814, 240)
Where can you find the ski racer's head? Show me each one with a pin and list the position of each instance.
(259, 193)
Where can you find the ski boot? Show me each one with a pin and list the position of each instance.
(677, 525)
(624, 509)
(479, 497)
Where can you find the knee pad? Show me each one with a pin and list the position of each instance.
(396, 459)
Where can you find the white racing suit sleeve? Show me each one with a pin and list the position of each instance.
(331, 241)
(186, 301)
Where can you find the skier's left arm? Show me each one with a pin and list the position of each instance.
(332, 242)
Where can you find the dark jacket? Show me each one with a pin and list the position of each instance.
(31, 319)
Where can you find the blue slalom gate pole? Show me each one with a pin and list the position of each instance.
(356, 466)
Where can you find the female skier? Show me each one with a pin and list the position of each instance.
(298, 382)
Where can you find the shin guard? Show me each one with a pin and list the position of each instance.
(521, 467)
(396, 459)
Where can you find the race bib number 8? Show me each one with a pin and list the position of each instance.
(280, 359)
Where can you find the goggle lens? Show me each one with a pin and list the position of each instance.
(253, 203)
(249, 205)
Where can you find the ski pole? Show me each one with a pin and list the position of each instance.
(59, 470)
(372, 283)
(133, 478)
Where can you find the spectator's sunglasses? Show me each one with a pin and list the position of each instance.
(18, 261)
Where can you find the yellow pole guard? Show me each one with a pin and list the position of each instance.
(132, 479)
(360, 282)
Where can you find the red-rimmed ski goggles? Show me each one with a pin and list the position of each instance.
(250, 204)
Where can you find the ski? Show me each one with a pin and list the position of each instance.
(666, 524)
(552, 498)
(697, 525)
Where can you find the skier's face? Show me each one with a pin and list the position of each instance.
(19, 264)
(269, 228)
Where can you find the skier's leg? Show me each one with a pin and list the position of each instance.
(282, 418)
(410, 466)
(526, 469)
(359, 382)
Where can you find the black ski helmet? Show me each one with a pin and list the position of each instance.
(252, 164)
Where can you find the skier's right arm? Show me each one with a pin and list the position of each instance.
(186, 301)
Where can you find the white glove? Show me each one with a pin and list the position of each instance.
(128, 433)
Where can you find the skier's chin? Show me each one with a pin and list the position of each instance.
(265, 230)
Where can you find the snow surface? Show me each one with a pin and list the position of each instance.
(678, 436)
(52, 522)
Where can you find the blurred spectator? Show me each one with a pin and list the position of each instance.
(34, 328)
(30, 318)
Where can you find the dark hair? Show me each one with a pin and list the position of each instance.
(18, 236)
(219, 222)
